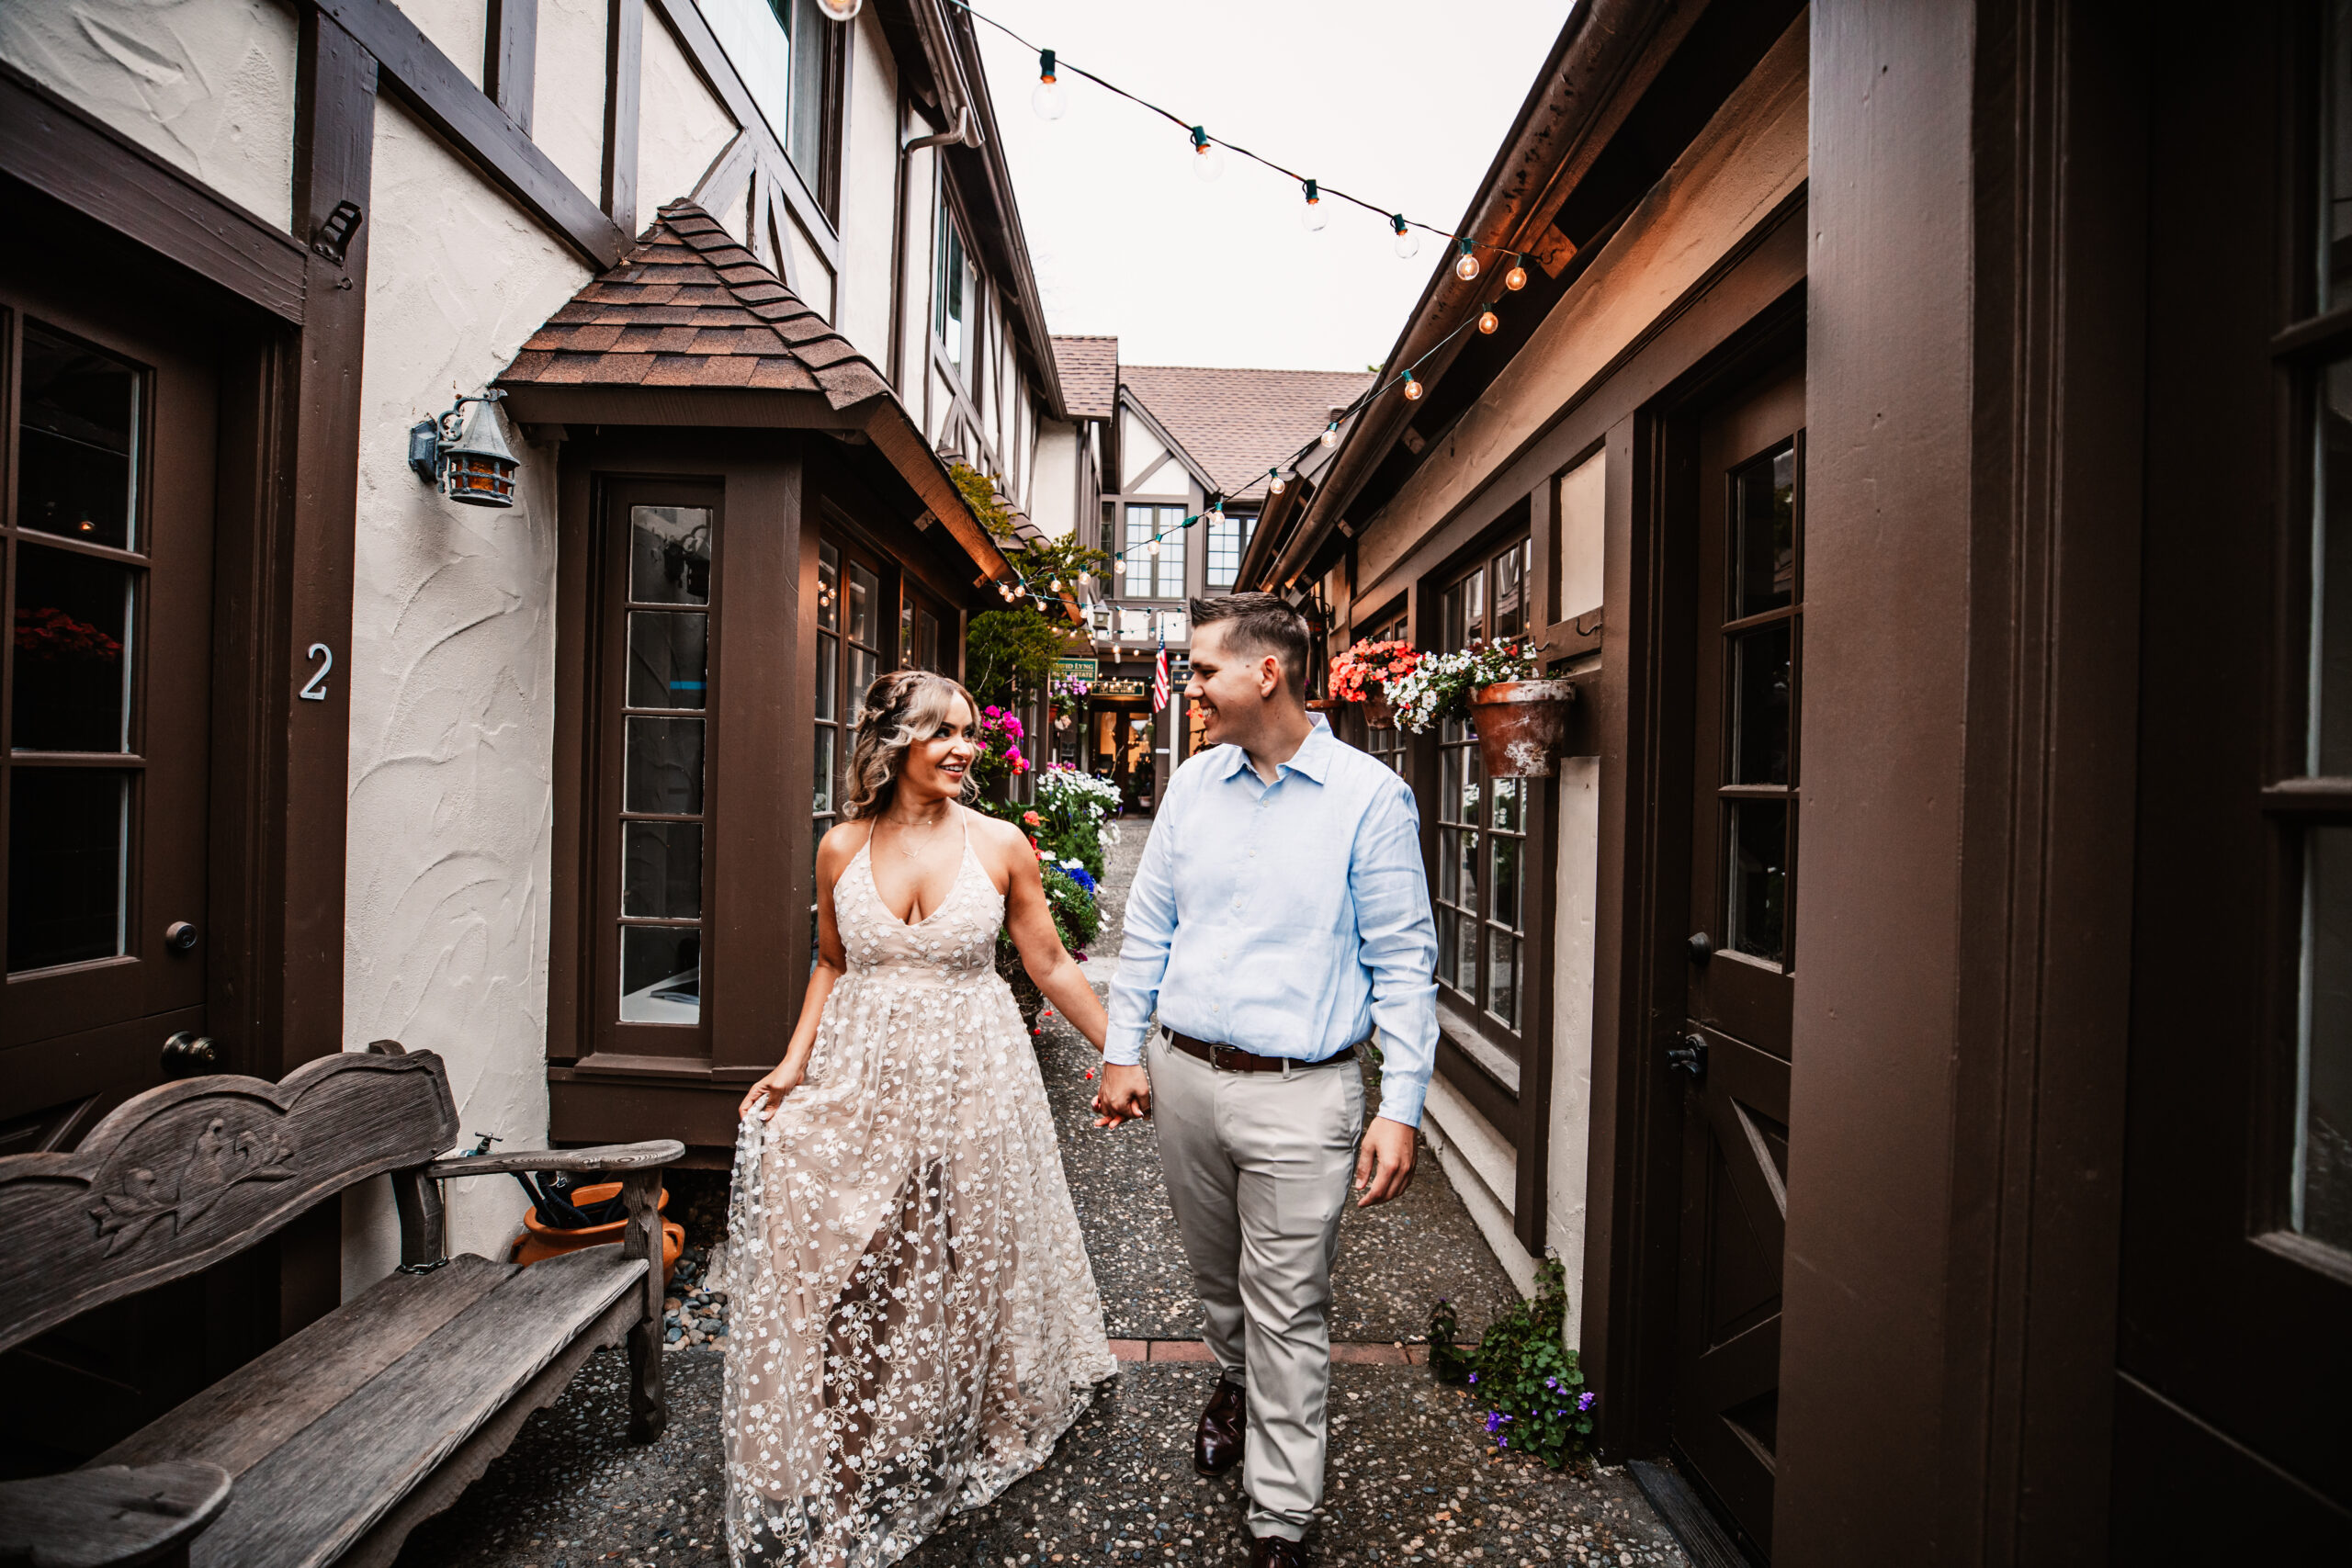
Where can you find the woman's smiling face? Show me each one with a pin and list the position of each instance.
(936, 764)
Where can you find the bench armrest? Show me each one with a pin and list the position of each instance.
(617, 1158)
(114, 1514)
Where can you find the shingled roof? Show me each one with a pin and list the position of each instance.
(690, 329)
(689, 306)
(1090, 368)
(1235, 424)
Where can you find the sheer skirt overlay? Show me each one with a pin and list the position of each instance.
(913, 1319)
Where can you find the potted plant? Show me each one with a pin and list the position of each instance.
(1364, 673)
(1519, 719)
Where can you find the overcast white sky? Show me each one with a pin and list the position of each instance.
(1402, 104)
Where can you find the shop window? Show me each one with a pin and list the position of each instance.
(1151, 576)
(1481, 824)
(849, 657)
(1388, 746)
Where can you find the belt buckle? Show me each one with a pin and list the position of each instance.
(1217, 1055)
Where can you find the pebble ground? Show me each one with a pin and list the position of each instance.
(1411, 1476)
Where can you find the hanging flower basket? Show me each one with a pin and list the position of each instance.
(1379, 713)
(1520, 724)
(1362, 675)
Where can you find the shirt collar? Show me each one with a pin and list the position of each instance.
(1313, 757)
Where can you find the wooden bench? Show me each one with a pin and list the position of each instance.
(331, 1446)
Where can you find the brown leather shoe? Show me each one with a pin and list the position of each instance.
(1216, 1444)
(1277, 1551)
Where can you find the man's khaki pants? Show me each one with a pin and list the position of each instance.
(1258, 1166)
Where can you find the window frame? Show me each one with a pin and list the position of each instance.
(824, 181)
(1132, 550)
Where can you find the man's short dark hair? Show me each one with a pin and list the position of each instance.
(1257, 625)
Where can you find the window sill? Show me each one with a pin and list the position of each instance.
(1491, 1051)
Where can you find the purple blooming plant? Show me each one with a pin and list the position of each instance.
(1528, 1380)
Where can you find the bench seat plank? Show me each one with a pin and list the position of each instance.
(243, 1419)
(108, 1514)
(312, 1498)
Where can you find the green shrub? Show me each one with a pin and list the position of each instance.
(1523, 1373)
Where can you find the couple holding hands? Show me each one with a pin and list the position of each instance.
(914, 1320)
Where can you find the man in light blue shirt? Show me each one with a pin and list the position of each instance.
(1278, 918)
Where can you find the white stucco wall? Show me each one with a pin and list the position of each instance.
(452, 672)
(1574, 929)
(1053, 490)
(681, 126)
(869, 185)
(207, 85)
(460, 28)
(568, 90)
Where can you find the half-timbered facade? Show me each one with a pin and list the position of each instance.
(302, 752)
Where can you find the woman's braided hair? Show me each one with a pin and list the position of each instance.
(899, 709)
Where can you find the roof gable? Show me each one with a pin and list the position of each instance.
(1090, 371)
(1232, 425)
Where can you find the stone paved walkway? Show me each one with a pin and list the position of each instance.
(1412, 1478)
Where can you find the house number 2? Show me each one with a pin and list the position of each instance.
(315, 689)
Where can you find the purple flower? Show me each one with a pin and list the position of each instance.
(1584, 1401)
(1474, 1377)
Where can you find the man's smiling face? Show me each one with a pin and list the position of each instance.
(1228, 688)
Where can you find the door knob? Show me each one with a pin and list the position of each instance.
(180, 935)
(1703, 947)
(1689, 1054)
(187, 1054)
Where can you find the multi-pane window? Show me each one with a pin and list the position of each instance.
(1228, 536)
(1482, 827)
(668, 585)
(80, 570)
(921, 646)
(1154, 552)
(849, 657)
(955, 304)
(812, 95)
(1763, 617)
(1387, 746)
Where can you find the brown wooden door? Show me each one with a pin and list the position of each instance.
(107, 498)
(1734, 1050)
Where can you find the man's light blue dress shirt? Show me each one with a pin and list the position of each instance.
(1286, 918)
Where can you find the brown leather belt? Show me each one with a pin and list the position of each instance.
(1233, 1059)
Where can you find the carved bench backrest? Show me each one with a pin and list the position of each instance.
(189, 1173)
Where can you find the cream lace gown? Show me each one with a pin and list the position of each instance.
(914, 1322)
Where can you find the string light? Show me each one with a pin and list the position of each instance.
(1207, 160)
(1312, 216)
(1516, 279)
(1412, 388)
(1153, 548)
(1047, 99)
(1330, 437)
(1465, 266)
(1118, 566)
(1408, 244)
(1488, 320)
(841, 10)
(1279, 484)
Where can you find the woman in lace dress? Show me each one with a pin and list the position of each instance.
(915, 1322)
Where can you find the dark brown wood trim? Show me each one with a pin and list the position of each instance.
(510, 58)
(1540, 890)
(429, 83)
(57, 150)
(624, 83)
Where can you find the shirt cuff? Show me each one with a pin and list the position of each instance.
(1400, 1099)
(1124, 1047)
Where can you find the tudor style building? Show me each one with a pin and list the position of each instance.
(1914, 1013)
(302, 752)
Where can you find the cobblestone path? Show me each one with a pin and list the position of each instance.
(1412, 1477)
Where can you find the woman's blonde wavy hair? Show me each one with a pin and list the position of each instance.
(900, 709)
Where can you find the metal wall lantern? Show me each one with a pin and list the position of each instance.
(465, 454)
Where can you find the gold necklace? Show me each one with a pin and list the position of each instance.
(905, 832)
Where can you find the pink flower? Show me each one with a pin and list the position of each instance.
(1032, 819)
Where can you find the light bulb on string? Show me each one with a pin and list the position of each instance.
(1047, 97)
(1516, 279)
(1488, 320)
(1330, 437)
(1465, 266)
(841, 10)
(1208, 158)
(1408, 244)
(1118, 566)
(1312, 216)
(1152, 549)
(1412, 388)
(1276, 483)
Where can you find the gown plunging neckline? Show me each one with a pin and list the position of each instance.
(962, 859)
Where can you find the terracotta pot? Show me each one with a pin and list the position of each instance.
(540, 1242)
(1378, 711)
(1520, 724)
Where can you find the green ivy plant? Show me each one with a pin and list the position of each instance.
(1040, 561)
(1010, 653)
(1522, 1371)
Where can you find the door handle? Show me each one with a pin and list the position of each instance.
(1688, 1054)
(1703, 947)
(187, 1054)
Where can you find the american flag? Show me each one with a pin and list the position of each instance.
(1160, 678)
